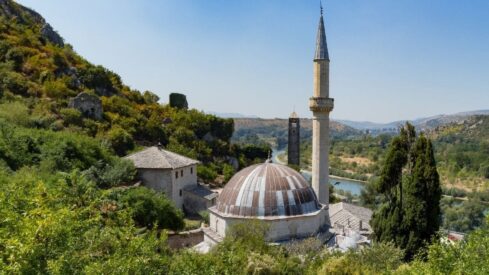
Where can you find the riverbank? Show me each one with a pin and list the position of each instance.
(276, 159)
(348, 179)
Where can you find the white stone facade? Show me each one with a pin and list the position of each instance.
(280, 228)
(170, 181)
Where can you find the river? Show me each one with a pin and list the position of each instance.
(339, 183)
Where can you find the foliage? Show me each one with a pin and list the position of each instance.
(36, 74)
(467, 257)
(378, 259)
(120, 171)
(227, 171)
(64, 224)
(462, 216)
(150, 208)
(120, 140)
(409, 214)
(206, 174)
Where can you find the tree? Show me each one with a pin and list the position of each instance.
(150, 208)
(120, 140)
(409, 214)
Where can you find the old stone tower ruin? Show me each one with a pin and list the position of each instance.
(294, 140)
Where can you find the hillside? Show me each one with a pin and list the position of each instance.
(275, 131)
(45, 84)
(461, 151)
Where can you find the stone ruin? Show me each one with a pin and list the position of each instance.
(89, 105)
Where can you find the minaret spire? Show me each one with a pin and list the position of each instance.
(321, 45)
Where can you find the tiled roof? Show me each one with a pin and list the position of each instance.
(157, 158)
(201, 191)
(265, 190)
(349, 215)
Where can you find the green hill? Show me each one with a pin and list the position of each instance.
(461, 151)
(41, 75)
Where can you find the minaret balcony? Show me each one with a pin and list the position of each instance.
(321, 104)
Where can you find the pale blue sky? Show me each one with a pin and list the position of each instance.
(390, 59)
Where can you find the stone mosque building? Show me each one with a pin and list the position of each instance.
(276, 194)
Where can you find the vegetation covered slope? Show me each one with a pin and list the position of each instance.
(40, 74)
(461, 151)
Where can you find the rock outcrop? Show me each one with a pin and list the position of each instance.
(51, 35)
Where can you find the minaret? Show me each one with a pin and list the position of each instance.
(293, 154)
(321, 105)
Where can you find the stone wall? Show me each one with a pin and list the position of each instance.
(187, 176)
(185, 239)
(157, 179)
(279, 228)
(89, 105)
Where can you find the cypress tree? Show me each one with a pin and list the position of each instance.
(409, 182)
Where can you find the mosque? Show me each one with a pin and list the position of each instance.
(276, 194)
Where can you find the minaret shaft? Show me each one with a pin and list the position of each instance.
(321, 105)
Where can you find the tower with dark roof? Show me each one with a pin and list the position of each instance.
(293, 152)
(321, 105)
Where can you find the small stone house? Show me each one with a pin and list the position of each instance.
(173, 174)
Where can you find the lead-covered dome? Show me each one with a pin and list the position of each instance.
(265, 190)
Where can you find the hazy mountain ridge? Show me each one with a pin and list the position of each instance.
(421, 123)
(231, 115)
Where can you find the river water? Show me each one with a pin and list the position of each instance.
(355, 188)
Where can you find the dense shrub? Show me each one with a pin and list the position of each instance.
(120, 140)
(206, 174)
(105, 175)
(150, 209)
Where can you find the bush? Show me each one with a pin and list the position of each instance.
(228, 172)
(71, 116)
(16, 113)
(150, 97)
(206, 174)
(120, 140)
(484, 170)
(118, 172)
(205, 216)
(150, 209)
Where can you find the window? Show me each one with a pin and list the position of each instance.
(180, 192)
(176, 174)
(181, 173)
(191, 170)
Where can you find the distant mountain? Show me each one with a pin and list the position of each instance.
(231, 115)
(425, 123)
(275, 131)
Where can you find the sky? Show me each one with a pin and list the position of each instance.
(390, 60)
